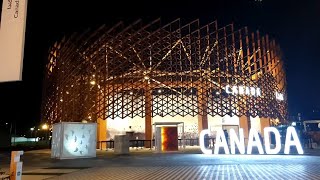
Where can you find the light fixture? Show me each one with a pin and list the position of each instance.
(131, 92)
(45, 126)
(159, 91)
(146, 77)
(32, 128)
(217, 93)
(61, 100)
(92, 82)
(67, 92)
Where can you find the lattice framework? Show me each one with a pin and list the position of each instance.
(173, 69)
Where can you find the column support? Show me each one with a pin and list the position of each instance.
(101, 133)
(148, 116)
(202, 109)
(244, 124)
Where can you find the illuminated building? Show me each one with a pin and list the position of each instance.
(208, 77)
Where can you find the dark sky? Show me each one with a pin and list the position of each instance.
(295, 24)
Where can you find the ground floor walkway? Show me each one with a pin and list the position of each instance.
(189, 164)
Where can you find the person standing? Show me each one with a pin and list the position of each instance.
(226, 135)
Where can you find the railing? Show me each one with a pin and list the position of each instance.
(132, 143)
(106, 144)
(140, 143)
(209, 142)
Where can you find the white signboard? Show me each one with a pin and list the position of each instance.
(253, 140)
(12, 33)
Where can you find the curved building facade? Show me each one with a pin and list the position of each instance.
(127, 77)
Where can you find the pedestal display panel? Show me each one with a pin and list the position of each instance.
(73, 140)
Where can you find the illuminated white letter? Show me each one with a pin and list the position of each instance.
(201, 140)
(291, 131)
(279, 96)
(221, 142)
(234, 90)
(253, 91)
(248, 91)
(235, 140)
(241, 90)
(258, 92)
(228, 89)
(256, 142)
(277, 148)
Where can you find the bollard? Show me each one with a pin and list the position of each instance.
(16, 165)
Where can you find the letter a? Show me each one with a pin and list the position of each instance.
(267, 144)
(256, 142)
(221, 142)
(291, 132)
(235, 140)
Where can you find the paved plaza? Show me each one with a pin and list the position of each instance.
(191, 164)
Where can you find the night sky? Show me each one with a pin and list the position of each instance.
(294, 24)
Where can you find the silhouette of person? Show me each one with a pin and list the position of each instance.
(226, 135)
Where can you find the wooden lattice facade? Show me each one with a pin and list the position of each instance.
(153, 69)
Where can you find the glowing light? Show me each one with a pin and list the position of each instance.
(277, 147)
(45, 126)
(258, 92)
(67, 92)
(221, 142)
(228, 89)
(159, 91)
(254, 142)
(217, 93)
(279, 96)
(92, 82)
(131, 92)
(146, 77)
(241, 90)
(293, 124)
(31, 129)
(61, 100)
(89, 117)
(163, 139)
(234, 140)
(201, 141)
(291, 132)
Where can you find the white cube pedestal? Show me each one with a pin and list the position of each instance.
(71, 140)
